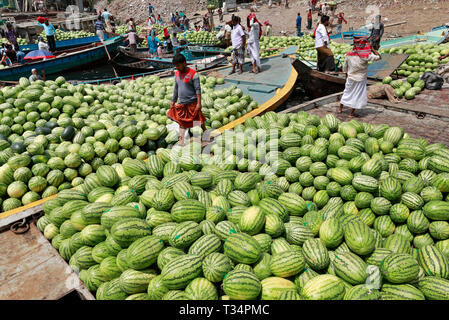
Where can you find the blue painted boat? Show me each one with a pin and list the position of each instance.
(349, 35)
(70, 59)
(64, 44)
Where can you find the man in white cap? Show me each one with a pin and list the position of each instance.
(35, 76)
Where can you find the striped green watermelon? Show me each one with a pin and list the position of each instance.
(241, 285)
(242, 248)
(434, 263)
(177, 273)
(350, 268)
(324, 287)
(201, 289)
(399, 268)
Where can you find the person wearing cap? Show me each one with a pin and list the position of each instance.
(376, 32)
(35, 75)
(268, 29)
(50, 32)
(41, 45)
(356, 68)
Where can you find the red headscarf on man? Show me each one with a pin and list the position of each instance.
(361, 47)
(248, 20)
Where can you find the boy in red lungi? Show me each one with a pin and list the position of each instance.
(187, 113)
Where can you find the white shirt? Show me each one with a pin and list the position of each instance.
(357, 68)
(254, 32)
(174, 41)
(42, 46)
(321, 36)
(132, 38)
(236, 36)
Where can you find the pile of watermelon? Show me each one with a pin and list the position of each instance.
(200, 37)
(67, 35)
(409, 88)
(422, 57)
(54, 134)
(288, 206)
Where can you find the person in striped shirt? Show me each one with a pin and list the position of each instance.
(185, 108)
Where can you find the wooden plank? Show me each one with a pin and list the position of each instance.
(31, 269)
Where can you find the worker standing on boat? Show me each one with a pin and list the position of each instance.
(186, 106)
(11, 36)
(325, 56)
(356, 69)
(35, 76)
(153, 42)
(298, 25)
(174, 40)
(253, 43)
(132, 40)
(132, 25)
(50, 32)
(376, 32)
(106, 14)
(99, 28)
(238, 38)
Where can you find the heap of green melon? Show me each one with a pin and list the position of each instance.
(288, 206)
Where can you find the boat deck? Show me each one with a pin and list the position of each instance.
(432, 127)
(32, 269)
(275, 73)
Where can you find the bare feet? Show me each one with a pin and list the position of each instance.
(232, 72)
(340, 109)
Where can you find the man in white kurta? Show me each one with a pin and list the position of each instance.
(356, 69)
(253, 45)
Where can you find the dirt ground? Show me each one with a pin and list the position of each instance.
(420, 16)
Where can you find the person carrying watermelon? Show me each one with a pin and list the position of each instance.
(185, 108)
(356, 69)
(50, 32)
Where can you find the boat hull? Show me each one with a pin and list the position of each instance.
(62, 63)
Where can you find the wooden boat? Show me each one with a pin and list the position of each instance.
(143, 53)
(64, 44)
(206, 50)
(68, 60)
(196, 63)
(318, 84)
(134, 67)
